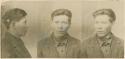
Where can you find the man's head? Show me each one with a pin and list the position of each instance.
(61, 20)
(14, 20)
(104, 19)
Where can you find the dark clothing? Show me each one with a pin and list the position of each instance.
(105, 45)
(61, 44)
(92, 49)
(48, 48)
(13, 47)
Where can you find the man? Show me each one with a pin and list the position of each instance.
(59, 44)
(104, 44)
(12, 45)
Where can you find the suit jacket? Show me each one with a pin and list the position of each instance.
(46, 48)
(13, 47)
(91, 48)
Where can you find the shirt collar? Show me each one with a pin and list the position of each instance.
(62, 43)
(107, 40)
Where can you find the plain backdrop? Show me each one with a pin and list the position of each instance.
(39, 19)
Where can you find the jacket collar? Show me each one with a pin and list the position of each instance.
(114, 44)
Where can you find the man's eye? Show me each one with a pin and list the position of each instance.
(104, 22)
(101, 22)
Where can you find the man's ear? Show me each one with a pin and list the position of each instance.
(51, 24)
(8, 20)
(12, 24)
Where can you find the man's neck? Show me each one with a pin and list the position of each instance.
(108, 35)
(59, 38)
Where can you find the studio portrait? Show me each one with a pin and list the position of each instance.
(62, 29)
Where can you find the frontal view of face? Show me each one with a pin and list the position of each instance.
(60, 24)
(102, 25)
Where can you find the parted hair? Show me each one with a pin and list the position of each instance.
(58, 12)
(108, 12)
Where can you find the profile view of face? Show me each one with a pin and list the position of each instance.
(20, 27)
(60, 24)
(102, 25)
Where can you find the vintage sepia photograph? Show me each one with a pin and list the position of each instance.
(62, 29)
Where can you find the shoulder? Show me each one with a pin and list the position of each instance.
(7, 39)
(74, 40)
(118, 40)
(44, 40)
(89, 39)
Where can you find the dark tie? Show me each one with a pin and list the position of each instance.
(105, 44)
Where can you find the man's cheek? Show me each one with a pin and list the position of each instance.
(106, 29)
(66, 28)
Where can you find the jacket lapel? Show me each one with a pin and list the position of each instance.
(52, 48)
(69, 48)
(19, 50)
(72, 49)
(94, 49)
(114, 47)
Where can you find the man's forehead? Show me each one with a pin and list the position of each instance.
(102, 18)
(60, 17)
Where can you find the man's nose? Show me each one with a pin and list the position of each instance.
(60, 26)
(99, 27)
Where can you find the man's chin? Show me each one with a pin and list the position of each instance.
(22, 35)
(60, 34)
(100, 35)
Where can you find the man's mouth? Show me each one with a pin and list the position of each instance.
(100, 32)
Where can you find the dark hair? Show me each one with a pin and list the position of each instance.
(13, 15)
(108, 12)
(62, 12)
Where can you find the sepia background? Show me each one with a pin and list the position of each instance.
(39, 19)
